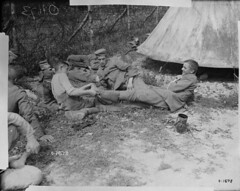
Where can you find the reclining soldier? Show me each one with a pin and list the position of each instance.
(115, 73)
(80, 74)
(91, 59)
(172, 97)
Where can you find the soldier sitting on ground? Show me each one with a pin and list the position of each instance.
(173, 97)
(19, 175)
(74, 99)
(18, 103)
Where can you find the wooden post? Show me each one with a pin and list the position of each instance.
(128, 17)
(90, 26)
(13, 29)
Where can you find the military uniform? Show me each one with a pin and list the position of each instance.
(174, 97)
(116, 73)
(80, 74)
(18, 103)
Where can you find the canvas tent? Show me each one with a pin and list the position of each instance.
(207, 32)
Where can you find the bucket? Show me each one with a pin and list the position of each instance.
(181, 123)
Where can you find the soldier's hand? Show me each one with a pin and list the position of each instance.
(92, 92)
(47, 138)
(97, 79)
(130, 84)
(32, 146)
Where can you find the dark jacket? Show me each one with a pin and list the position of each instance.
(116, 73)
(18, 103)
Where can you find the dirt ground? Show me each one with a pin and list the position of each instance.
(140, 146)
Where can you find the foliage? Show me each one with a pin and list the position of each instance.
(43, 28)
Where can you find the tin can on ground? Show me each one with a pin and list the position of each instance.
(181, 123)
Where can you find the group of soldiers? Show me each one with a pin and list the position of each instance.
(82, 85)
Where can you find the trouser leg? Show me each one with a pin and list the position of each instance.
(109, 95)
(81, 113)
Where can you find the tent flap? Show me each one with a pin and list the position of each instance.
(207, 32)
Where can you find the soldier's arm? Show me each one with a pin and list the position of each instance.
(71, 91)
(82, 76)
(121, 65)
(132, 71)
(21, 124)
(25, 129)
(180, 85)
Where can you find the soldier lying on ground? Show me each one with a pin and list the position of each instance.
(19, 176)
(18, 103)
(114, 73)
(173, 97)
(72, 99)
(80, 74)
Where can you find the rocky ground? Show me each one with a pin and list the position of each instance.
(141, 147)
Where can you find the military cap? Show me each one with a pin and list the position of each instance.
(100, 52)
(80, 61)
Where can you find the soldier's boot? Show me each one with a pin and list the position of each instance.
(109, 95)
(107, 108)
(80, 114)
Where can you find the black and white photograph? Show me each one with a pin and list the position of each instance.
(112, 95)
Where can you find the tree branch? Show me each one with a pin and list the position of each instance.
(149, 15)
(79, 27)
(123, 13)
